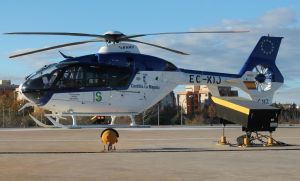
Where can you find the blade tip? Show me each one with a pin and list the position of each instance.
(13, 56)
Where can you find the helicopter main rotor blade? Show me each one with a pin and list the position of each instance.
(158, 46)
(109, 37)
(57, 33)
(187, 32)
(54, 47)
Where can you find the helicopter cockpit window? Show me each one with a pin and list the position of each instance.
(72, 77)
(41, 79)
(119, 76)
(92, 76)
(170, 67)
(96, 77)
(107, 76)
(81, 76)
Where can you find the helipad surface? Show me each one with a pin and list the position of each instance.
(144, 154)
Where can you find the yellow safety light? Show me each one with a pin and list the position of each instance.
(109, 137)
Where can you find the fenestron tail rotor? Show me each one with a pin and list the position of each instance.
(109, 37)
(263, 78)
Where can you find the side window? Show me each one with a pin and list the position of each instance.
(119, 76)
(107, 76)
(93, 76)
(96, 76)
(170, 67)
(72, 77)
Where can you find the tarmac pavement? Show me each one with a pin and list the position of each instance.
(160, 153)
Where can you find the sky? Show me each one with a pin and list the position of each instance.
(210, 52)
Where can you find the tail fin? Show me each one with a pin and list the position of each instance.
(260, 75)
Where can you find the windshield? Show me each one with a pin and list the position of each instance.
(74, 77)
(44, 70)
(43, 78)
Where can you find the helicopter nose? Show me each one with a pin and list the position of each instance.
(21, 95)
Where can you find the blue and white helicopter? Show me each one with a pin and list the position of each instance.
(120, 81)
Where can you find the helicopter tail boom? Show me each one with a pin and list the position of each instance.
(259, 77)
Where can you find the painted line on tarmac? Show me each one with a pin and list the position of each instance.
(166, 150)
(126, 139)
(120, 128)
(287, 137)
(171, 128)
(9, 140)
(150, 139)
(59, 152)
(170, 139)
(154, 150)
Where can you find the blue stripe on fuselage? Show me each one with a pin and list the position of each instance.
(140, 62)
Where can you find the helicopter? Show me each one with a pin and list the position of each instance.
(121, 81)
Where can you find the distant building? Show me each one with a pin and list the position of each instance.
(6, 86)
(5, 82)
(194, 98)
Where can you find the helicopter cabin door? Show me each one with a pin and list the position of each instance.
(97, 88)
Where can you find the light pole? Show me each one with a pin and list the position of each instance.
(181, 111)
(181, 114)
(144, 118)
(2, 116)
(158, 114)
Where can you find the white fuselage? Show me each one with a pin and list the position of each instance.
(146, 89)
